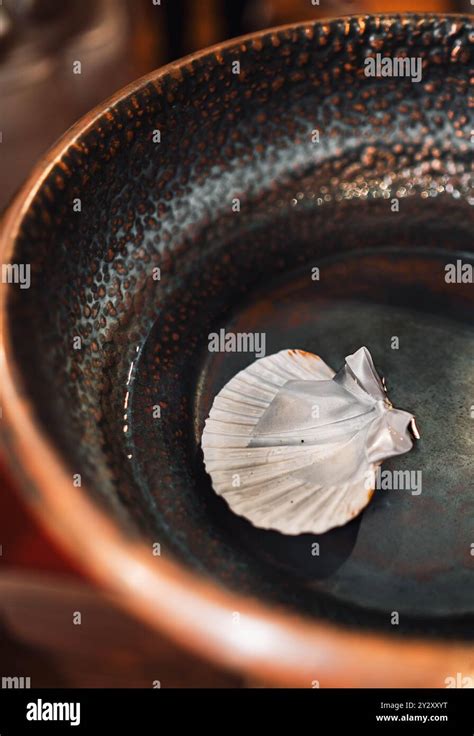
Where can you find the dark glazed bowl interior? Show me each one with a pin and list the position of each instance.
(303, 204)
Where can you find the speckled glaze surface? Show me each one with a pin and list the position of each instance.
(166, 202)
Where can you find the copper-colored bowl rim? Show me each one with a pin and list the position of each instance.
(270, 644)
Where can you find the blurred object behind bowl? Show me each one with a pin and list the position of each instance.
(57, 60)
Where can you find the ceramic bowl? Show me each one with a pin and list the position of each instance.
(272, 184)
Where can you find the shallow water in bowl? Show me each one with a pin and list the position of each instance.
(408, 552)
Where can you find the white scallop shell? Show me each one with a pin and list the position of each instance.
(292, 446)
